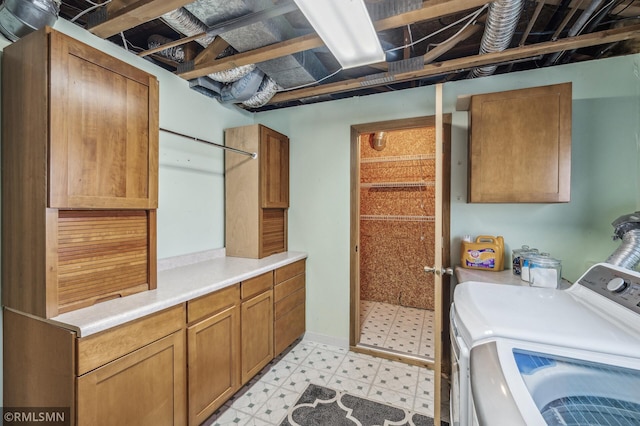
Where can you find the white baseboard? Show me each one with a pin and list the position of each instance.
(327, 340)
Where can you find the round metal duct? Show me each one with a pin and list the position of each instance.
(21, 17)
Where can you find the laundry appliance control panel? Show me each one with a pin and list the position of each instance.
(621, 286)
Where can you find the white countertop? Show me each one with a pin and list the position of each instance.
(498, 277)
(175, 286)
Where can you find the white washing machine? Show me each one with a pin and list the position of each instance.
(593, 325)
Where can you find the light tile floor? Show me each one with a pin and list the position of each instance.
(267, 397)
(400, 328)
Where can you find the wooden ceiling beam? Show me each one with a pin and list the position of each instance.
(446, 46)
(125, 14)
(430, 10)
(467, 63)
(212, 51)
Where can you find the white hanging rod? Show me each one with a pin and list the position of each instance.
(253, 155)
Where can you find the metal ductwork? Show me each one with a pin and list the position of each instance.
(627, 229)
(21, 17)
(184, 22)
(269, 26)
(175, 53)
(500, 27)
(237, 85)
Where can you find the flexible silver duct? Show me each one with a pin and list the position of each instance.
(627, 228)
(500, 26)
(184, 22)
(175, 53)
(628, 254)
(21, 17)
(267, 89)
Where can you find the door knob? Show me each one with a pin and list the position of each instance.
(442, 271)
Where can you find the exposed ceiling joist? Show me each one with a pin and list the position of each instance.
(122, 15)
(576, 42)
(420, 32)
(212, 51)
(429, 10)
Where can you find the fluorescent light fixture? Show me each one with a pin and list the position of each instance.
(346, 29)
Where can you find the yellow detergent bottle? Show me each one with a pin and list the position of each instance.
(486, 253)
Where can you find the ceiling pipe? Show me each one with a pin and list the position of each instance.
(576, 28)
(593, 24)
(500, 27)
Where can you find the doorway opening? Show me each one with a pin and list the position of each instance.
(399, 311)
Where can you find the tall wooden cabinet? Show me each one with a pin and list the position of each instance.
(79, 175)
(520, 146)
(256, 192)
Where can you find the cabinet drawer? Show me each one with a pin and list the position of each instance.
(213, 303)
(288, 328)
(288, 287)
(257, 285)
(99, 349)
(286, 272)
(288, 303)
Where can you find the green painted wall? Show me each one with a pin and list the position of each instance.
(604, 182)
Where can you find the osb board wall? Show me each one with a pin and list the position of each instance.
(393, 253)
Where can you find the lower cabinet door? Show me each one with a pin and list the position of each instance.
(257, 334)
(145, 387)
(213, 351)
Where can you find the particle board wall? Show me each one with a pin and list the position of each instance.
(397, 205)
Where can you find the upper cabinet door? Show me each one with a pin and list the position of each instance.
(274, 169)
(520, 146)
(103, 130)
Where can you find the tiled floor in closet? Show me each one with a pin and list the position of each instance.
(399, 328)
(266, 399)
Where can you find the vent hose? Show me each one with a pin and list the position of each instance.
(175, 53)
(627, 228)
(500, 27)
(21, 17)
(184, 22)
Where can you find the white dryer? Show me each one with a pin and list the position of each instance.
(586, 331)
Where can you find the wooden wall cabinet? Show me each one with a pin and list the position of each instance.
(257, 324)
(289, 297)
(79, 175)
(520, 146)
(132, 373)
(213, 351)
(256, 192)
